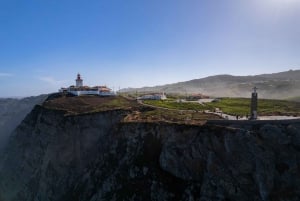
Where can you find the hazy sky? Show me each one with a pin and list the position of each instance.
(135, 43)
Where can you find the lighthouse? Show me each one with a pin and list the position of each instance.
(79, 89)
(79, 82)
(253, 111)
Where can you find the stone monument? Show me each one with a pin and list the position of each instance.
(253, 111)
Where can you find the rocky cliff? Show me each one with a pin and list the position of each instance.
(12, 112)
(97, 156)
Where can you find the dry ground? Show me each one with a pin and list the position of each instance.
(137, 113)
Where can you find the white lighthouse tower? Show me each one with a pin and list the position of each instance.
(79, 81)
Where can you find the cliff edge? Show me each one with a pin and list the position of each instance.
(98, 156)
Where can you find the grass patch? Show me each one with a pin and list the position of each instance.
(234, 106)
(171, 104)
(279, 107)
(241, 106)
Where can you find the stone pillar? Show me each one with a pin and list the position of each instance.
(253, 111)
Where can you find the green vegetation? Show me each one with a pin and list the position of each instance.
(170, 110)
(278, 107)
(241, 106)
(170, 104)
(235, 106)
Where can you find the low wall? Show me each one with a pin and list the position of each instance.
(251, 122)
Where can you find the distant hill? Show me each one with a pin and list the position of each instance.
(282, 85)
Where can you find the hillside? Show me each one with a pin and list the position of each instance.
(97, 156)
(283, 85)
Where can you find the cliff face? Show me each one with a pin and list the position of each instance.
(12, 112)
(98, 157)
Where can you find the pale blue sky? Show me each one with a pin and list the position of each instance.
(137, 43)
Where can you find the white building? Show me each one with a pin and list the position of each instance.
(79, 89)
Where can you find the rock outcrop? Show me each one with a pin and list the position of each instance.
(97, 156)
